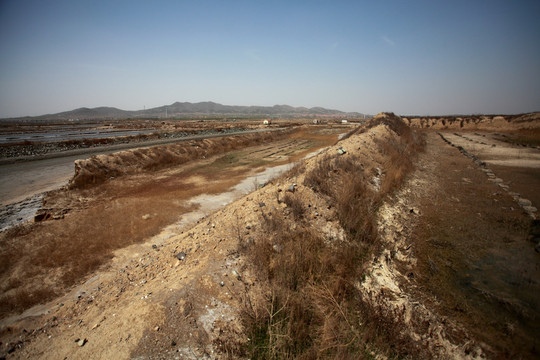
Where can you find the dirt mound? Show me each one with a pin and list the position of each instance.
(477, 122)
(98, 169)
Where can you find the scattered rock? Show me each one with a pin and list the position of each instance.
(81, 342)
(530, 209)
(524, 202)
(341, 151)
(180, 256)
(292, 188)
(236, 275)
(146, 217)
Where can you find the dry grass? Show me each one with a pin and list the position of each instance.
(313, 309)
(342, 179)
(71, 250)
(99, 169)
(294, 204)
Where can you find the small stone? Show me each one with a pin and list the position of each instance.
(82, 342)
(524, 202)
(146, 217)
(180, 256)
(156, 328)
(292, 188)
(154, 246)
(530, 209)
(222, 284)
(173, 343)
(236, 275)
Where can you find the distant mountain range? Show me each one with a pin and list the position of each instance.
(186, 109)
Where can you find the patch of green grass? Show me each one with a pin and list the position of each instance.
(227, 160)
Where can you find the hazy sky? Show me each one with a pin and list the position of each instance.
(409, 57)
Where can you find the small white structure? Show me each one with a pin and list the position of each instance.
(267, 122)
(344, 121)
(316, 121)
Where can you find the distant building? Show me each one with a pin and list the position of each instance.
(344, 121)
(316, 121)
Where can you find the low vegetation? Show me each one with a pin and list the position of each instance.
(313, 308)
(98, 169)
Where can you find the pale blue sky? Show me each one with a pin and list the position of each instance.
(410, 57)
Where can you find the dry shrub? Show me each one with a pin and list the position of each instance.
(318, 178)
(341, 179)
(310, 292)
(294, 204)
(355, 205)
(399, 154)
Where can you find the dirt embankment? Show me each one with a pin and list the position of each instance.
(316, 264)
(97, 169)
(283, 263)
(478, 122)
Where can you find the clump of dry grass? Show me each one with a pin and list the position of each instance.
(342, 179)
(294, 204)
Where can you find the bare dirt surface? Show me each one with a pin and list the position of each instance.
(517, 165)
(458, 255)
(455, 274)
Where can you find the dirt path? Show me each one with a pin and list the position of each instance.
(517, 166)
(458, 259)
